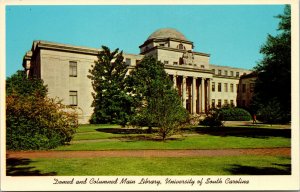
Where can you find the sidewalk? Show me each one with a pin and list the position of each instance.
(149, 153)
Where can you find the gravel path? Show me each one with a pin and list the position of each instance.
(149, 153)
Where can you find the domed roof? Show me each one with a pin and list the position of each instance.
(167, 33)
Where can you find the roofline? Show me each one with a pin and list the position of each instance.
(212, 65)
(40, 44)
(64, 47)
(166, 39)
(177, 50)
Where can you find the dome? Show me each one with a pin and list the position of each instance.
(167, 33)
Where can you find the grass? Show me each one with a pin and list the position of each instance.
(112, 137)
(228, 165)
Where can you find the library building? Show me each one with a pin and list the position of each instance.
(200, 84)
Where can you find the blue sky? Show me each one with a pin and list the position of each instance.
(232, 34)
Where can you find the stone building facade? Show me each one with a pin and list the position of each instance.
(201, 85)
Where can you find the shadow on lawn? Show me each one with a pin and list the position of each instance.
(128, 134)
(245, 132)
(249, 170)
(124, 131)
(21, 167)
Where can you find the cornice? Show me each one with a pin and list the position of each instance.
(176, 50)
(226, 77)
(184, 68)
(166, 39)
(66, 48)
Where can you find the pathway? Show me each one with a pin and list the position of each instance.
(149, 153)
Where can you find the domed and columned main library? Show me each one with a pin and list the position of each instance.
(201, 85)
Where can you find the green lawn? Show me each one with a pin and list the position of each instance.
(112, 137)
(235, 165)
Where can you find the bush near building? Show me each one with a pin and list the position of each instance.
(216, 117)
(234, 114)
(34, 121)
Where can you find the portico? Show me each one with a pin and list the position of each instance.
(194, 92)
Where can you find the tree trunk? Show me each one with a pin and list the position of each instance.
(149, 130)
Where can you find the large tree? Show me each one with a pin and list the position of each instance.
(273, 83)
(156, 101)
(111, 102)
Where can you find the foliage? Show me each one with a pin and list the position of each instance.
(34, 121)
(37, 123)
(168, 112)
(212, 119)
(156, 101)
(111, 102)
(19, 84)
(234, 114)
(217, 116)
(271, 113)
(274, 70)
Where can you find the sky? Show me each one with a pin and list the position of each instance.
(232, 34)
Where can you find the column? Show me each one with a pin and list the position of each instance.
(184, 91)
(208, 94)
(194, 96)
(175, 81)
(203, 95)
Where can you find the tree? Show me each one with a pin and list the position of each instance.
(19, 84)
(274, 70)
(111, 102)
(156, 101)
(34, 121)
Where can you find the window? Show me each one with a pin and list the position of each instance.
(226, 87)
(202, 66)
(225, 102)
(231, 73)
(128, 61)
(219, 72)
(213, 87)
(180, 46)
(219, 103)
(231, 103)
(237, 74)
(219, 87)
(175, 63)
(213, 103)
(226, 72)
(231, 88)
(166, 62)
(214, 71)
(73, 69)
(73, 98)
(244, 88)
(162, 44)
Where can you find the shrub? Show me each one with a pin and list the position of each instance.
(272, 113)
(213, 119)
(234, 114)
(34, 123)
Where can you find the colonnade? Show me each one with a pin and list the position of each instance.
(194, 92)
